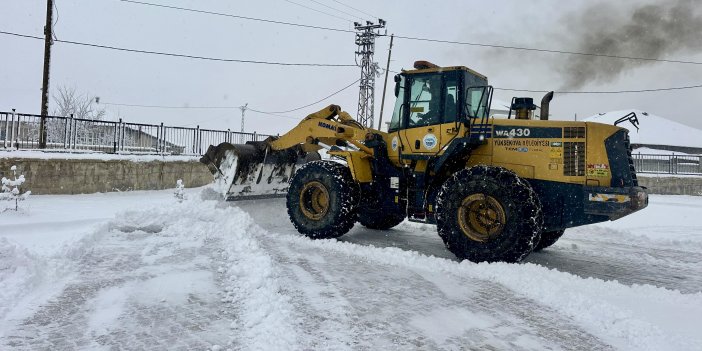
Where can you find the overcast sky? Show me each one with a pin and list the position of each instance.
(131, 78)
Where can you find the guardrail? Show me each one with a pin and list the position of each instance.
(21, 131)
(668, 164)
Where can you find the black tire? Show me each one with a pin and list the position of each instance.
(372, 216)
(319, 219)
(548, 239)
(312, 156)
(476, 201)
(379, 220)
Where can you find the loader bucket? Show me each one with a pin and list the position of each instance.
(252, 170)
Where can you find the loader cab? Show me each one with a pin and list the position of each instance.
(432, 103)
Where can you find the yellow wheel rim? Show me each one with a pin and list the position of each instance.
(481, 217)
(314, 200)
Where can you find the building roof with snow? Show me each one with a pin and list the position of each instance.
(655, 132)
(499, 107)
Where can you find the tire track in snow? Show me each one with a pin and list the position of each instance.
(393, 307)
(182, 277)
(117, 300)
(378, 305)
(321, 309)
(608, 309)
(594, 252)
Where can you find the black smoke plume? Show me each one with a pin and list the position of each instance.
(657, 31)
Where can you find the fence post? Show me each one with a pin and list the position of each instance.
(229, 136)
(161, 140)
(65, 132)
(75, 132)
(114, 137)
(69, 134)
(199, 140)
(120, 136)
(7, 131)
(4, 136)
(255, 137)
(673, 164)
(12, 128)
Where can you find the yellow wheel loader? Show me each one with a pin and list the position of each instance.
(497, 188)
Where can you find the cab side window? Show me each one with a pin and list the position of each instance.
(425, 101)
(450, 103)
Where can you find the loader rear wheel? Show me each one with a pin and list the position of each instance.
(488, 214)
(322, 200)
(548, 239)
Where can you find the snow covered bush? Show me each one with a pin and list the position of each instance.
(11, 191)
(179, 192)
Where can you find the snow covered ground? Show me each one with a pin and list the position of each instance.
(139, 270)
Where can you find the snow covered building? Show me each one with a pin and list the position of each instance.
(656, 135)
(499, 108)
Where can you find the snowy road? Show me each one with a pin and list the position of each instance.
(201, 274)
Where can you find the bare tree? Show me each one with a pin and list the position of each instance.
(80, 106)
(69, 101)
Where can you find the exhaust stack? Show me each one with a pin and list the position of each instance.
(545, 103)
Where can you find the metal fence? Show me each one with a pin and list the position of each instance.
(21, 131)
(669, 164)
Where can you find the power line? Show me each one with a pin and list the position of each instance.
(318, 101)
(596, 92)
(335, 9)
(169, 107)
(339, 65)
(497, 46)
(239, 17)
(183, 55)
(605, 92)
(322, 12)
(276, 114)
(353, 8)
(548, 50)
(194, 108)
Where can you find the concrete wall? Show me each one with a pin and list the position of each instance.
(76, 176)
(671, 185)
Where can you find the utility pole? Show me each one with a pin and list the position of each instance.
(243, 113)
(48, 41)
(385, 84)
(365, 39)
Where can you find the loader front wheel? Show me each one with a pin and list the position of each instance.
(322, 200)
(548, 239)
(488, 214)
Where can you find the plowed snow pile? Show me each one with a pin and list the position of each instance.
(204, 274)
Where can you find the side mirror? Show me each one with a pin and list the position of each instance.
(398, 79)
